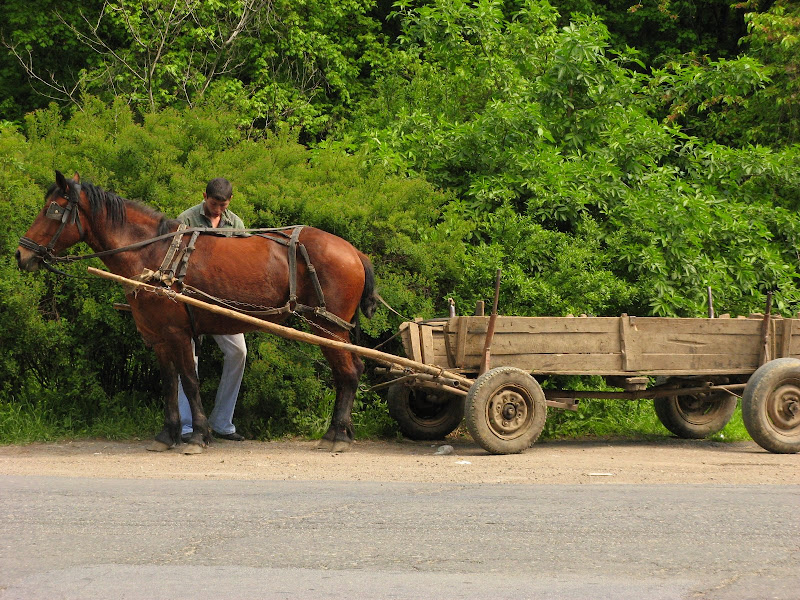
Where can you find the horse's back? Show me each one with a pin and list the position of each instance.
(255, 270)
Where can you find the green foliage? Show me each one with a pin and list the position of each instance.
(663, 29)
(707, 98)
(280, 62)
(773, 37)
(35, 38)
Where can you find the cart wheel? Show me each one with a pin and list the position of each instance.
(505, 410)
(771, 406)
(695, 417)
(423, 416)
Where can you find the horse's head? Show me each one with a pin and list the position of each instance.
(57, 227)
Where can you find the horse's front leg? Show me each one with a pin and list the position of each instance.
(347, 369)
(187, 368)
(170, 435)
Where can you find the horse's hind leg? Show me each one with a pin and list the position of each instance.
(347, 369)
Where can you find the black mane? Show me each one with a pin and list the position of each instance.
(116, 206)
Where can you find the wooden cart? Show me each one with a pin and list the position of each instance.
(693, 369)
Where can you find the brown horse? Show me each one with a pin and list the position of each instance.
(254, 271)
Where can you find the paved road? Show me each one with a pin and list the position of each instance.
(75, 538)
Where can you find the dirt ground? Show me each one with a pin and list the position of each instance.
(568, 462)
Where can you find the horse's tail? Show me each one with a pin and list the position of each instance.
(369, 297)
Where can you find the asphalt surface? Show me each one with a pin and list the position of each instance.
(78, 538)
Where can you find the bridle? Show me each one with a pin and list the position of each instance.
(65, 215)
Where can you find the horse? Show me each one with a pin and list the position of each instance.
(260, 270)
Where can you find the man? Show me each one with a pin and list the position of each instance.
(213, 212)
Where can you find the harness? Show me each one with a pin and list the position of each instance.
(174, 266)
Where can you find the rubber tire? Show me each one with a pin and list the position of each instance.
(419, 419)
(775, 382)
(678, 418)
(514, 384)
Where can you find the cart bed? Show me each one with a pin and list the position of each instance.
(614, 346)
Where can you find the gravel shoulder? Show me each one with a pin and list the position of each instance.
(664, 461)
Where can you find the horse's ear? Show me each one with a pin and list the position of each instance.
(61, 181)
(76, 178)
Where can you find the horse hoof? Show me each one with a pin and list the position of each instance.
(157, 446)
(192, 449)
(325, 444)
(339, 446)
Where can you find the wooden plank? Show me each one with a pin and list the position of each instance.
(405, 337)
(786, 338)
(700, 327)
(413, 332)
(460, 327)
(562, 363)
(426, 339)
(698, 362)
(449, 346)
(714, 344)
(610, 324)
(479, 325)
(544, 343)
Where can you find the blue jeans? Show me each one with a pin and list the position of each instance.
(234, 350)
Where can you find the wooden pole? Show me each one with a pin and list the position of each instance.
(765, 331)
(487, 345)
(287, 332)
(710, 303)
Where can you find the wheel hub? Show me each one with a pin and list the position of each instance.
(508, 412)
(784, 409)
(697, 409)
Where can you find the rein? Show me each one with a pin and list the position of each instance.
(46, 252)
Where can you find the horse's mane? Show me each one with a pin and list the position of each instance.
(116, 206)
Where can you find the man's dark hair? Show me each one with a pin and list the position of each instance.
(220, 189)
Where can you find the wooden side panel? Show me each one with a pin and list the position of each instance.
(697, 345)
(618, 345)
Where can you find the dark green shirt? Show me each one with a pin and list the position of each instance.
(196, 217)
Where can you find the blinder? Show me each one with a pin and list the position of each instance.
(56, 212)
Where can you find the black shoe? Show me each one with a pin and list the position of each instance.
(233, 437)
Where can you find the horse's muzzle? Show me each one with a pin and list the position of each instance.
(27, 260)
